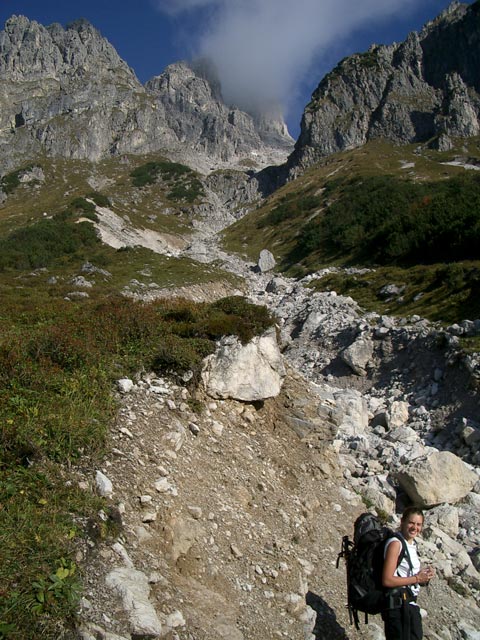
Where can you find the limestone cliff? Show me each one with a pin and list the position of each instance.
(66, 92)
(424, 89)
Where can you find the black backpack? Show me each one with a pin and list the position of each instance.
(364, 561)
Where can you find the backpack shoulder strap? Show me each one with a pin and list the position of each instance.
(404, 551)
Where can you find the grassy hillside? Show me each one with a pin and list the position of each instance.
(151, 191)
(62, 346)
(409, 213)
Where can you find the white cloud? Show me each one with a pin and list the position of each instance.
(264, 48)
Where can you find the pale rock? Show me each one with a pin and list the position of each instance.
(468, 632)
(217, 428)
(352, 414)
(175, 620)
(250, 372)
(149, 516)
(397, 414)
(358, 355)
(125, 385)
(445, 517)
(133, 588)
(195, 512)
(440, 477)
(162, 485)
(95, 632)
(122, 552)
(142, 534)
(379, 500)
(103, 484)
(266, 261)
(453, 551)
(181, 535)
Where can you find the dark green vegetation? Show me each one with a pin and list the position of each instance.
(40, 244)
(184, 186)
(60, 357)
(58, 363)
(11, 181)
(409, 216)
(385, 220)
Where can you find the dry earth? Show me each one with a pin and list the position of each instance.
(234, 519)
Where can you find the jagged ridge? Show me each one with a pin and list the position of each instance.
(67, 93)
(424, 89)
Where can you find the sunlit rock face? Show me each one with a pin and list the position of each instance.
(67, 93)
(420, 90)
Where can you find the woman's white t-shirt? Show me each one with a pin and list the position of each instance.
(403, 570)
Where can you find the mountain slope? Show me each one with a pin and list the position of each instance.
(423, 89)
(67, 93)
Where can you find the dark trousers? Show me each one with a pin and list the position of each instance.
(404, 623)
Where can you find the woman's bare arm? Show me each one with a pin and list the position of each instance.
(390, 580)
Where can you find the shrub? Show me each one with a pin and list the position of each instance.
(83, 205)
(148, 173)
(248, 319)
(99, 199)
(290, 207)
(40, 244)
(387, 220)
(11, 181)
(187, 191)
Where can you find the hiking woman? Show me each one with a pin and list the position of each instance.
(403, 620)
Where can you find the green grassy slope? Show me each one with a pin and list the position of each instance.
(403, 211)
(60, 357)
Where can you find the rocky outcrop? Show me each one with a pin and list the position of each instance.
(424, 479)
(245, 372)
(423, 89)
(66, 92)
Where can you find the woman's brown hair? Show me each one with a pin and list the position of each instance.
(412, 511)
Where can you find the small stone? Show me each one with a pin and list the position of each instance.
(151, 516)
(175, 620)
(104, 485)
(194, 428)
(125, 385)
(195, 512)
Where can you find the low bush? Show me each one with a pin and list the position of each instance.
(391, 221)
(58, 364)
(40, 244)
(11, 181)
(149, 172)
(289, 207)
(99, 199)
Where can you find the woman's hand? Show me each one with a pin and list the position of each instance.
(425, 574)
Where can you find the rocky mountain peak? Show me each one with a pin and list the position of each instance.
(66, 92)
(403, 92)
(28, 50)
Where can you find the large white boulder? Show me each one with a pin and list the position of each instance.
(440, 477)
(358, 355)
(249, 372)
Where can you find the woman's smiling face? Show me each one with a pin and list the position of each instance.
(412, 526)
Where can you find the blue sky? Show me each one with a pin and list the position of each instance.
(276, 49)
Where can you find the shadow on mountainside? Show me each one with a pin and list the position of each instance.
(326, 625)
(431, 375)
